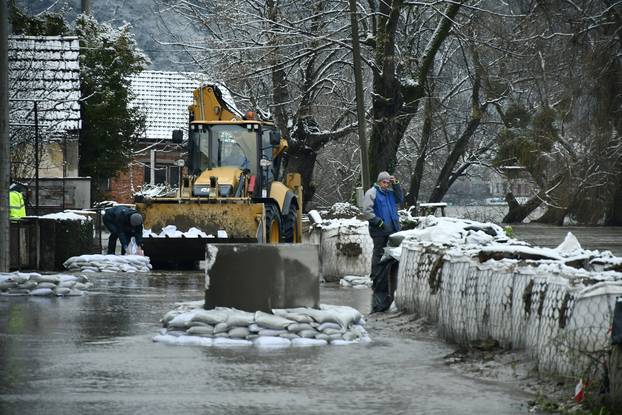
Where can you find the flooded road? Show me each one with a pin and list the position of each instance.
(94, 355)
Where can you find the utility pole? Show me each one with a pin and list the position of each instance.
(360, 99)
(4, 138)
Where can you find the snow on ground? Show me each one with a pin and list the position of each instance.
(355, 281)
(35, 284)
(190, 324)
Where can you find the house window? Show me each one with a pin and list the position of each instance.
(104, 184)
(164, 174)
(160, 174)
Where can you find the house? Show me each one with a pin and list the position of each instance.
(164, 97)
(44, 108)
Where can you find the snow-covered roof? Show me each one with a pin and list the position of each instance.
(45, 68)
(165, 97)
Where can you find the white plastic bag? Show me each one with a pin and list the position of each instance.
(132, 248)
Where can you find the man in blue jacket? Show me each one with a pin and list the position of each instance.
(380, 208)
(123, 223)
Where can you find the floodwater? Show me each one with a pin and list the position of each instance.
(602, 238)
(94, 355)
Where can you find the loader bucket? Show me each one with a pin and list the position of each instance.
(262, 277)
(240, 221)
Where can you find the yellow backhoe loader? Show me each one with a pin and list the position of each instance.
(235, 189)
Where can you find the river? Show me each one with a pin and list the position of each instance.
(603, 238)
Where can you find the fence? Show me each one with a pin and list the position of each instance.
(560, 315)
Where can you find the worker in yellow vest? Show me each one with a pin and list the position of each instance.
(17, 207)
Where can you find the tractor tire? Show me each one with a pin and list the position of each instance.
(290, 224)
(273, 224)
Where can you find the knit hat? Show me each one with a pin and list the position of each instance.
(136, 219)
(383, 175)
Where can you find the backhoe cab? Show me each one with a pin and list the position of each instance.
(234, 184)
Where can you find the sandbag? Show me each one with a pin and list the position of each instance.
(269, 341)
(271, 321)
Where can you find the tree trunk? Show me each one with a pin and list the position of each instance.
(518, 212)
(445, 176)
(614, 216)
(393, 104)
(553, 216)
(4, 139)
(301, 159)
(280, 89)
(417, 176)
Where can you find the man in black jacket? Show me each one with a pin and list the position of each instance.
(123, 223)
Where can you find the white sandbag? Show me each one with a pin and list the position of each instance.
(254, 328)
(299, 318)
(27, 285)
(221, 328)
(202, 331)
(82, 286)
(331, 331)
(67, 284)
(240, 318)
(61, 291)
(68, 277)
(212, 317)
(303, 342)
(42, 292)
(309, 334)
(182, 320)
(271, 332)
(322, 336)
(46, 285)
(17, 292)
(271, 321)
(74, 293)
(45, 278)
(194, 341)
(343, 315)
(340, 342)
(288, 336)
(296, 327)
(238, 332)
(271, 341)
(225, 342)
(6, 285)
(329, 325)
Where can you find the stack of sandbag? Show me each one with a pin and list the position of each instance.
(355, 281)
(108, 263)
(336, 325)
(20, 283)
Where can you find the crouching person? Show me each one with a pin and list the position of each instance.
(123, 223)
(380, 209)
